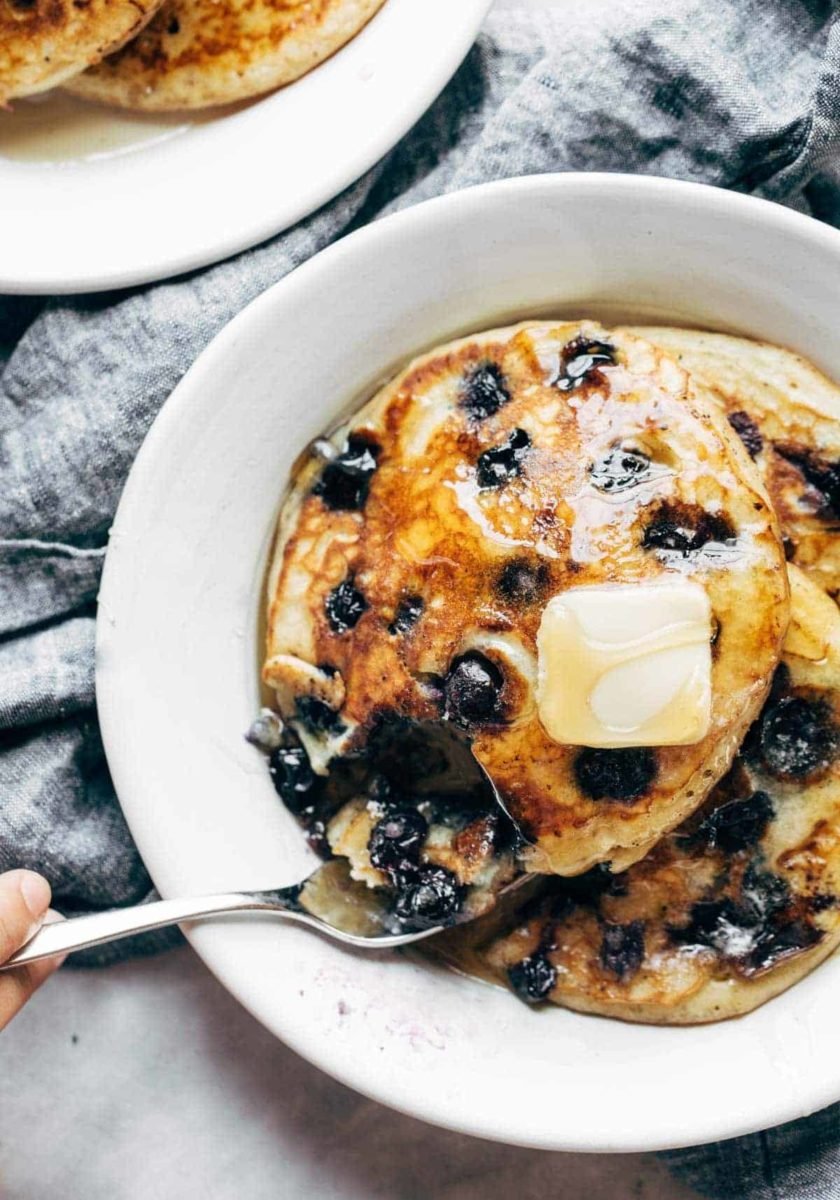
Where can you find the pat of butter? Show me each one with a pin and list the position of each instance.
(626, 665)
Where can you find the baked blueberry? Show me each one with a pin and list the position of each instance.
(533, 978)
(317, 840)
(396, 840)
(580, 360)
(345, 481)
(380, 789)
(484, 391)
(502, 463)
(819, 472)
(718, 924)
(797, 737)
(266, 732)
(623, 948)
(409, 611)
(738, 825)
(317, 716)
(520, 582)
(762, 896)
(735, 927)
(615, 774)
(619, 469)
(684, 528)
(754, 931)
(472, 690)
(344, 606)
(291, 773)
(748, 432)
(780, 942)
(428, 896)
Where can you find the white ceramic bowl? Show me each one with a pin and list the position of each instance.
(177, 654)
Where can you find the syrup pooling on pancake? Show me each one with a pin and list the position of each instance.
(787, 414)
(742, 900)
(419, 548)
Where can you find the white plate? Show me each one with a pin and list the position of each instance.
(178, 648)
(195, 192)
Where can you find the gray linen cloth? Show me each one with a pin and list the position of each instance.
(740, 93)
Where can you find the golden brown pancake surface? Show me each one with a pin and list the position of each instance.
(417, 554)
(45, 42)
(739, 903)
(197, 53)
(788, 415)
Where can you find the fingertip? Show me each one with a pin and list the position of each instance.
(36, 893)
(32, 889)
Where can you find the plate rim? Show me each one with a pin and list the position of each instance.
(780, 1107)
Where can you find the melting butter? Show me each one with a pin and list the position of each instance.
(626, 665)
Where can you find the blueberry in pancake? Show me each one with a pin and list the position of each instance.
(45, 42)
(534, 536)
(413, 816)
(741, 901)
(787, 414)
(197, 53)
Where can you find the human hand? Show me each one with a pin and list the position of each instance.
(24, 904)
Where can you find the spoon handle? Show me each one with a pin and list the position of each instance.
(63, 937)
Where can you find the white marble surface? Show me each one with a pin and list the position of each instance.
(146, 1081)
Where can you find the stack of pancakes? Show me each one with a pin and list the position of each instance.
(176, 54)
(417, 551)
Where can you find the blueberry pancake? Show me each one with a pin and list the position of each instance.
(45, 42)
(788, 416)
(740, 902)
(197, 53)
(535, 536)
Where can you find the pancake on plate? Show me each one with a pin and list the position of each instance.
(518, 517)
(788, 416)
(198, 53)
(740, 902)
(45, 42)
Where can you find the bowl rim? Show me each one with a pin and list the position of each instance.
(780, 1107)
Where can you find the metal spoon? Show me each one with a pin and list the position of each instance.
(328, 900)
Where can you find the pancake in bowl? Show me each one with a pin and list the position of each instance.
(738, 904)
(788, 416)
(44, 43)
(423, 552)
(413, 819)
(199, 53)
